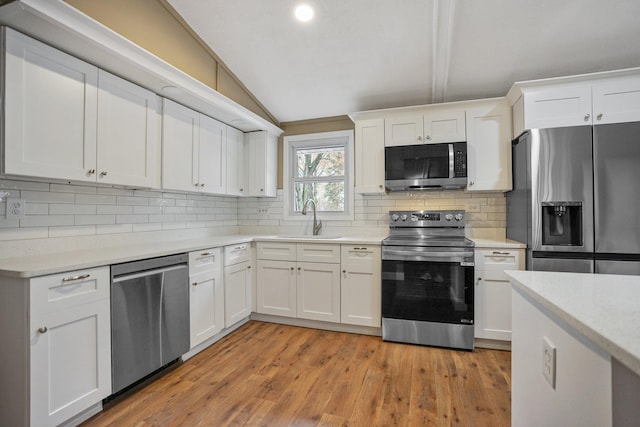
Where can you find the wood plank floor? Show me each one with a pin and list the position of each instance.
(267, 374)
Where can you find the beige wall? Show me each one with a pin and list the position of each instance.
(154, 25)
(327, 124)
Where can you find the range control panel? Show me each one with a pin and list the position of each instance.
(450, 218)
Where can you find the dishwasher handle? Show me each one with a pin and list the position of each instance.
(146, 273)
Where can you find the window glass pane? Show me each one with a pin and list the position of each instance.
(328, 195)
(318, 162)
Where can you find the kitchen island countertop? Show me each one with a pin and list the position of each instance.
(603, 307)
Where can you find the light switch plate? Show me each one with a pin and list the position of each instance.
(549, 361)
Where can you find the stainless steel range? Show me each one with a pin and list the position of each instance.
(427, 279)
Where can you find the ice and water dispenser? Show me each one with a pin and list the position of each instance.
(562, 224)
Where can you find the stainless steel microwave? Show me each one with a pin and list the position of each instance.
(426, 166)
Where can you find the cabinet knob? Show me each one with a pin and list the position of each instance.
(194, 284)
(344, 271)
(91, 171)
(242, 189)
(380, 186)
(197, 184)
(428, 138)
(299, 268)
(43, 330)
(291, 268)
(471, 183)
(599, 116)
(103, 173)
(249, 267)
(420, 138)
(587, 117)
(262, 189)
(479, 279)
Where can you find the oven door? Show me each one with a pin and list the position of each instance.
(428, 284)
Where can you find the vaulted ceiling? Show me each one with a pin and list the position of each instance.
(367, 54)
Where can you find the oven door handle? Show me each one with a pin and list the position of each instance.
(396, 254)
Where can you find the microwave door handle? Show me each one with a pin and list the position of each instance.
(451, 161)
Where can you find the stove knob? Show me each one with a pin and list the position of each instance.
(448, 217)
(403, 217)
(414, 218)
(459, 217)
(394, 217)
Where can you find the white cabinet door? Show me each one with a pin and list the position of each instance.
(558, 107)
(212, 156)
(403, 130)
(206, 305)
(263, 158)
(360, 302)
(493, 292)
(369, 156)
(70, 341)
(276, 288)
(128, 133)
(237, 293)
(617, 102)
(180, 135)
(489, 147)
(318, 291)
(50, 108)
(444, 125)
(235, 162)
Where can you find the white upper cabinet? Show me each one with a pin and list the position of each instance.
(489, 146)
(431, 125)
(212, 170)
(369, 156)
(616, 101)
(50, 108)
(128, 133)
(235, 164)
(193, 150)
(65, 119)
(604, 98)
(180, 135)
(262, 153)
(444, 125)
(558, 107)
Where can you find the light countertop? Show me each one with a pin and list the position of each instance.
(25, 266)
(603, 307)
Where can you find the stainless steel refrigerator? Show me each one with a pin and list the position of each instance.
(576, 198)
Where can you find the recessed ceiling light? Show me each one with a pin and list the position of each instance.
(304, 13)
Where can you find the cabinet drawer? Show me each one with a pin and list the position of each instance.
(277, 251)
(498, 259)
(360, 255)
(234, 254)
(310, 252)
(204, 260)
(60, 291)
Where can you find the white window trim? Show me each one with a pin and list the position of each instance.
(311, 139)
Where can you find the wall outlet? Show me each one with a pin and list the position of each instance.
(549, 361)
(15, 208)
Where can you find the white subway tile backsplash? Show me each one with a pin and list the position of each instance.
(95, 199)
(94, 219)
(69, 209)
(130, 200)
(131, 219)
(70, 188)
(114, 228)
(47, 197)
(24, 233)
(81, 230)
(46, 220)
(115, 209)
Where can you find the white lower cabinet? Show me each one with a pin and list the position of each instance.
(56, 356)
(299, 280)
(360, 285)
(206, 295)
(493, 291)
(237, 283)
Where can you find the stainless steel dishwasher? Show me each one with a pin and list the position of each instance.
(149, 316)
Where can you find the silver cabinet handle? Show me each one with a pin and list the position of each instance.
(78, 277)
(103, 173)
(500, 253)
(43, 330)
(207, 253)
(586, 118)
(599, 116)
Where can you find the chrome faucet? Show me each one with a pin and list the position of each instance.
(317, 224)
